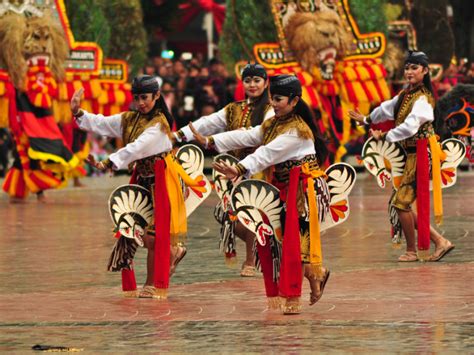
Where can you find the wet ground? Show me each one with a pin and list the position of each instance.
(54, 289)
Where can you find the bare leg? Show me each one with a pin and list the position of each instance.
(149, 242)
(248, 237)
(41, 197)
(314, 282)
(438, 240)
(408, 226)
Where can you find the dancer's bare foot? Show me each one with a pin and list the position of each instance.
(17, 200)
(78, 183)
(41, 197)
(317, 286)
(441, 250)
(177, 254)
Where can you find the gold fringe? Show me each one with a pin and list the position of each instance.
(160, 293)
(397, 245)
(274, 127)
(130, 294)
(423, 255)
(178, 239)
(274, 302)
(292, 305)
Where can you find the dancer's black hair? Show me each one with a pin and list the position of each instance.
(290, 86)
(261, 102)
(421, 58)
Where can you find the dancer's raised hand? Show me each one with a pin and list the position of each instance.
(76, 101)
(357, 116)
(376, 133)
(198, 136)
(226, 169)
(99, 165)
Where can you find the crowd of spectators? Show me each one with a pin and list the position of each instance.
(192, 88)
(456, 73)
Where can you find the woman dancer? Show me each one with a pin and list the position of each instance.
(412, 111)
(241, 114)
(290, 142)
(145, 133)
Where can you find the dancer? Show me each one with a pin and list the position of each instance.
(290, 142)
(145, 133)
(241, 114)
(412, 111)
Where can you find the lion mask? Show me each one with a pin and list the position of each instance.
(317, 39)
(25, 40)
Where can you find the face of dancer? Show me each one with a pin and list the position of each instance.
(145, 102)
(414, 73)
(254, 86)
(282, 104)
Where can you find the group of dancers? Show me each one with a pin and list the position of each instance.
(274, 136)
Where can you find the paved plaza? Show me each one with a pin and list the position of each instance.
(55, 290)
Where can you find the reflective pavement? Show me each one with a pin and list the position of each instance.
(55, 289)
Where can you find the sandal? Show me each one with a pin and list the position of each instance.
(313, 298)
(247, 271)
(441, 252)
(408, 257)
(178, 259)
(292, 306)
(147, 292)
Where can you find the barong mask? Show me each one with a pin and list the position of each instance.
(131, 210)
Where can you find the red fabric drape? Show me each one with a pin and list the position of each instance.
(128, 276)
(266, 263)
(193, 8)
(423, 194)
(291, 272)
(162, 228)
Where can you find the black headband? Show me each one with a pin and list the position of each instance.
(417, 58)
(285, 85)
(254, 70)
(145, 84)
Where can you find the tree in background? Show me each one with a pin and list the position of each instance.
(117, 26)
(433, 31)
(369, 15)
(247, 23)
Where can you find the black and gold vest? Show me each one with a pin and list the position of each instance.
(273, 127)
(404, 106)
(238, 115)
(133, 125)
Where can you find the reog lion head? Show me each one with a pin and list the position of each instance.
(317, 39)
(24, 41)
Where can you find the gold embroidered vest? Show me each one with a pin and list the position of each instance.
(134, 124)
(273, 127)
(403, 108)
(238, 115)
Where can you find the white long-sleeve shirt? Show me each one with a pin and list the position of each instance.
(151, 142)
(421, 113)
(287, 146)
(213, 124)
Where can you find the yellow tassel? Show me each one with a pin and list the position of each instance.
(423, 255)
(231, 262)
(436, 181)
(160, 293)
(274, 302)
